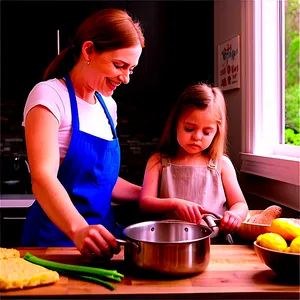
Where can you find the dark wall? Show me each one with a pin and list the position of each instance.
(179, 51)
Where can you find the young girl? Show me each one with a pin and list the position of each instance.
(191, 171)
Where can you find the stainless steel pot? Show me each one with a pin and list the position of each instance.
(169, 246)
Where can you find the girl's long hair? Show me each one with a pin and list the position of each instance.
(108, 29)
(203, 97)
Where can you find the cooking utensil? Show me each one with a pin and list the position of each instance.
(170, 246)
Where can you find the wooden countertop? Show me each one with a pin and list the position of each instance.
(234, 272)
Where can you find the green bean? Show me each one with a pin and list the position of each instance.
(88, 278)
(75, 269)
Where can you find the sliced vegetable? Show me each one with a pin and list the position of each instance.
(89, 278)
(81, 272)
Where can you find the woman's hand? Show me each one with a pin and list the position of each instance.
(96, 240)
(230, 222)
(188, 211)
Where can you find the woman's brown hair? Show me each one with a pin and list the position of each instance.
(203, 97)
(108, 29)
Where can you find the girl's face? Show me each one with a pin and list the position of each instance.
(196, 130)
(111, 68)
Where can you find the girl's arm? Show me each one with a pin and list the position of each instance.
(41, 132)
(235, 198)
(150, 203)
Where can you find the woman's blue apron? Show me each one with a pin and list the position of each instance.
(88, 173)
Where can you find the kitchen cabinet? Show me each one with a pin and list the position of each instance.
(12, 222)
(179, 51)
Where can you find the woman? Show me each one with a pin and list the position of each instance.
(72, 146)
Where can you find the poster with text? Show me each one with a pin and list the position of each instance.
(229, 64)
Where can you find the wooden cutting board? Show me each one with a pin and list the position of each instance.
(234, 272)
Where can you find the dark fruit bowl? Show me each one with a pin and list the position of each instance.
(282, 263)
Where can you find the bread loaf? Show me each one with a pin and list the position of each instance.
(6, 253)
(15, 272)
(18, 273)
(268, 215)
(253, 218)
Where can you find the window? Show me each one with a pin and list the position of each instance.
(292, 71)
(265, 152)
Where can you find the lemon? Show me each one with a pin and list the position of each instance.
(272, 241)
(288, 228)
(295, 245)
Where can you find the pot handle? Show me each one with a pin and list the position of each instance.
(124, 243)
(212, 222)
(208, 212)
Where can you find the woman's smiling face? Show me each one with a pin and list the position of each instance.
(109, 69)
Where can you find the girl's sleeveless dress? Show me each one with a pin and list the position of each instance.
(198, 184)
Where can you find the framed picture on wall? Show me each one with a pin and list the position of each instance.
(229, 64)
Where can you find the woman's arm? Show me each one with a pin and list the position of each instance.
(41, 132)
(126, 191)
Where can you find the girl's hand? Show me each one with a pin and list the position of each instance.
(188, 211)
(96, 240)
(230, 222)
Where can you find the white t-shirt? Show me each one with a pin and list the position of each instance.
(92, 119)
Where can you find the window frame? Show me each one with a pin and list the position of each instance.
(262, 107)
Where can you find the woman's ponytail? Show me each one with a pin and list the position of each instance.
(62, 64)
